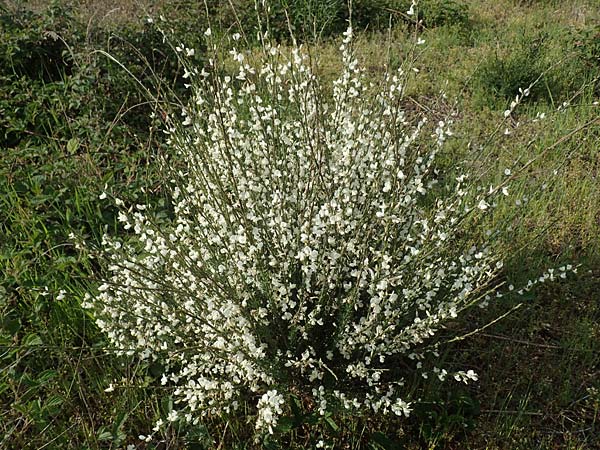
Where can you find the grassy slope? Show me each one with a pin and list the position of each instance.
(538, 367)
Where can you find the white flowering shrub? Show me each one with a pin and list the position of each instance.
(311, 249)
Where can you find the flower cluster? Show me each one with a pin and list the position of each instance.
(312, 248)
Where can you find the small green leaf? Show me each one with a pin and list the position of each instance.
(119, 423)
(334, 426)
(105, 436)
(72, 145)
(46, 376)
(166, 404)
(52, 404)
(32, 340)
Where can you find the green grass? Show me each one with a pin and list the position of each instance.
(539, 367)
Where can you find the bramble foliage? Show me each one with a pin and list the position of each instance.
(61, 141)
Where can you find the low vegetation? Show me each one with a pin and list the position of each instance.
(77, 121)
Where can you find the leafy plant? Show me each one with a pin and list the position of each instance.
(32, 44)
(61, 141)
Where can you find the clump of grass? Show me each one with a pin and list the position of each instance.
(519, 67)
(547, 63)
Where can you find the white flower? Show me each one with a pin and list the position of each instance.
(400, 407)
(157, 425)
(269, 410)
